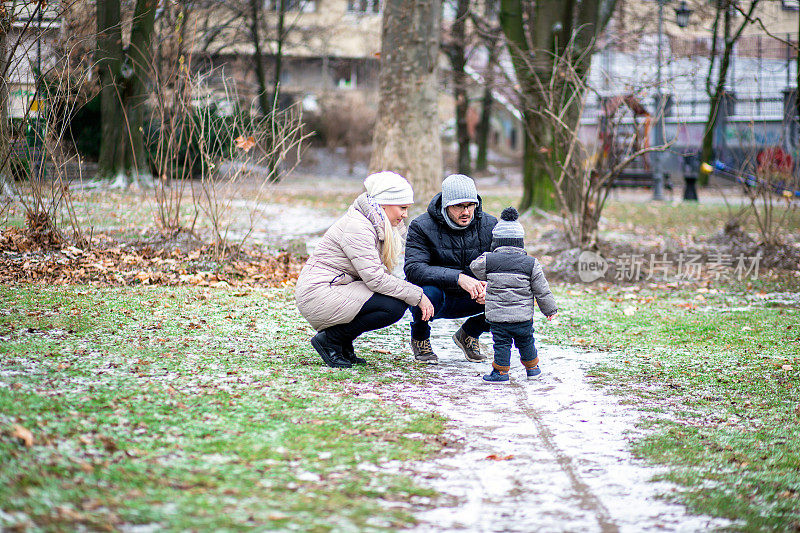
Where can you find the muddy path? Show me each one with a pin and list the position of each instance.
(570, 468)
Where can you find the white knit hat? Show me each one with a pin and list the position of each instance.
(389, 188)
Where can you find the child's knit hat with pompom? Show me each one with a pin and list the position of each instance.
(508, 232)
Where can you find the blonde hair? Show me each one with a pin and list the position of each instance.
(392, 244)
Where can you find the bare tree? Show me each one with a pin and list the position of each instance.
(122, 71)
(583, 173)
(6, 182)
(725, 30)
(407, 138)
(489, 34)
(456, 49)
(539, 34)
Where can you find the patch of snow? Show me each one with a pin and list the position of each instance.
(562, 444)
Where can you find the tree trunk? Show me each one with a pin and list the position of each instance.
(6, 180)
(458, 60)
(707, 154)
(406, 138)
(276, 84)
(487, 102)
(730, 37)
(559, 31)
(482, 133)
(122, 97)
(538, 188)
(258, 54)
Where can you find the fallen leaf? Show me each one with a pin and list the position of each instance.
(22, 434)
(245, 143)
(108, 443)
(495, 457)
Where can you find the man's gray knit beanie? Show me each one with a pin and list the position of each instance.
(458, 189)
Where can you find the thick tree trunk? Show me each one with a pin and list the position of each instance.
(406, 138)
(458, 60)
(122, 97)
(729, 37)
(538, 188)
(537, 36)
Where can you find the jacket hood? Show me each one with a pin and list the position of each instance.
(435, 211)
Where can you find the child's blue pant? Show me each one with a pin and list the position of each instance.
(518, 333)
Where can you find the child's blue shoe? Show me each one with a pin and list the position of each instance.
(495, 377)
(533, 372)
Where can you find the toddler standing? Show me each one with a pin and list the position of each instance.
(514, 280)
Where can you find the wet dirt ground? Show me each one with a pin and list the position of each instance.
(563, 443)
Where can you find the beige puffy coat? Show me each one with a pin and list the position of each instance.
(346, 270)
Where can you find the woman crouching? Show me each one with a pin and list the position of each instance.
(346, 288)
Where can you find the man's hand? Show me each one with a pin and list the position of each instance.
(474, 287)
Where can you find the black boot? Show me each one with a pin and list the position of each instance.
(331, 353)
(350, 354)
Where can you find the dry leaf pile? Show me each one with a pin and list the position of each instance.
(23, 260)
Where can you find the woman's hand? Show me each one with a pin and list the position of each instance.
(473, 286)
(426, 307)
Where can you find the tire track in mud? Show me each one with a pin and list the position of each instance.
(583, 492)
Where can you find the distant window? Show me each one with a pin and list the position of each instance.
(305, 6)
(364, 6)
(790, 5)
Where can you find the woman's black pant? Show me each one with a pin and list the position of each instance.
(376, 313)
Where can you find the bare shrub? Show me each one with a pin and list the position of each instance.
(772, 197)
(346, 121)
(580, 172)
(44, 193)
(238, 151)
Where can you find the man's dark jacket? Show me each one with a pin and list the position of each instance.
(436, 254)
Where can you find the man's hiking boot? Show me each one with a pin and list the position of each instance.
(423, 352)
(472, 350)
(331, 353)
(349, 353)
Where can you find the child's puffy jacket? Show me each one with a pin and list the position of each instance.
(514, 279)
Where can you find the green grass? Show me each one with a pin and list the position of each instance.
(686, 218)
(194, 409)
(717, 376)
